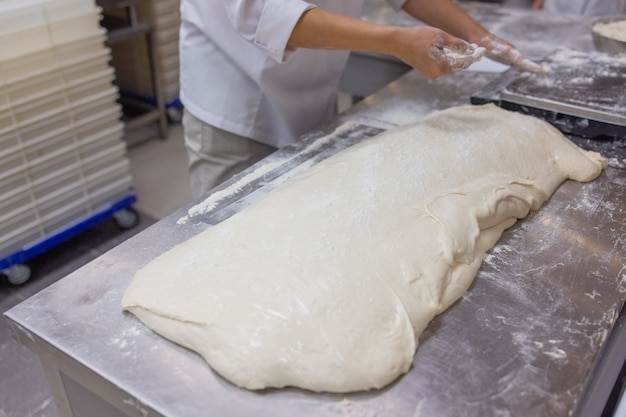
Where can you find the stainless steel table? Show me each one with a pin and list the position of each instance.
(539, 333)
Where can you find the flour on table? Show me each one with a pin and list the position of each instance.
(327, 282)
(212, 200)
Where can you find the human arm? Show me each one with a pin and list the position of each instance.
(417, 46)
(448, 16)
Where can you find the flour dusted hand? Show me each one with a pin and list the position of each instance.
(434, 52)
(502, 51)
(328, 281)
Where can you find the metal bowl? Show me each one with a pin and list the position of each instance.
(604, 43)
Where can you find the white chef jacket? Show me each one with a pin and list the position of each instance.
(586, 7)
(237, 74)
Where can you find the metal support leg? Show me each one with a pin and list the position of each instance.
(156, 85)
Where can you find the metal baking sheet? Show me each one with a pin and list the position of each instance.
(588, 85)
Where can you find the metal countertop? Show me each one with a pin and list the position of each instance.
(529, 338)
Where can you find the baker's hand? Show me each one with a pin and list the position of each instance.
(434, 52)
(502, 51)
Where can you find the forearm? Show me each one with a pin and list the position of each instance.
(537, 5)
(448, 16)
(320, 29)
(421, 47)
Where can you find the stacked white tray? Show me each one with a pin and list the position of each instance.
(61, 151)
(130, 58)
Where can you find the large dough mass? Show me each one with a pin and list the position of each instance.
(327, 283)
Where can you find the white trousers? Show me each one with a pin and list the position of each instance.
(215, 155)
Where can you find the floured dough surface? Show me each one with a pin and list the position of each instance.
(327, 282)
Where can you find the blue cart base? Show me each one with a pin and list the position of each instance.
(12, 264)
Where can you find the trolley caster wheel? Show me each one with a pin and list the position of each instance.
(17, 274)
(174, 115)
(126, 218)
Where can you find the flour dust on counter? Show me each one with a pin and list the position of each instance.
(328, 281)
(257, 171)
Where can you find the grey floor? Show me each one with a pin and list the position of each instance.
(160, 179)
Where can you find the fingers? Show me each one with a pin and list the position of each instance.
(530, 66)
(435, 53)
(453, 54)
(464, 56)
(502, 51)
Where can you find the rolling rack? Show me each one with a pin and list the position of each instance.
(128, 33)
(132, 66)
(63, 164)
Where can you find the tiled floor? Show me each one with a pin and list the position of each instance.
(160, 179)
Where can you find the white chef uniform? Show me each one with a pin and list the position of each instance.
(238, 75)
